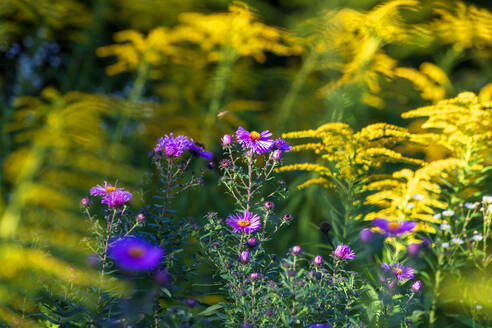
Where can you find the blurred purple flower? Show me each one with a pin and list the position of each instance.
(244, 257)
(296, 250)
(366, 235)
(416, 286)
(255, 141)
(197, 150)
(318, 260)
(413, 249)
(135, 254)
(393, 228)
(99, 190)
(226, 139)
(281, 144)
(244, 222)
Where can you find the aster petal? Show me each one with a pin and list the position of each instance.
(381, 223)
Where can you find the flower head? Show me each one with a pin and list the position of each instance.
(244, 222)
(252, 242)
(416, 286)
(296, 250)
(197, 150)
(477, 237)
(402, 272)
(318, 260)
(448, 213)
(413, 249)
(445, 245)
(487, 199)
(418, 196)
(255, 141)
(117, 198)
(99, 190)
(343, 252)
(171, 146)
(277, 155)
(135, 254)
(444, 226)
(457, 241)
(393, 228)
(281, 144)
(85, 201)
(470, 206)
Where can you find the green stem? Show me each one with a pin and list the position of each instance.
(437, 282)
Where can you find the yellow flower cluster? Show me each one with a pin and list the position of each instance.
(237, 30)
(462, 124)
(351, 155)
(410, 195)
(464, 26)
(430, 80)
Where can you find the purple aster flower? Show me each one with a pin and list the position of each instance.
(99, 190)
(171, 146)
(197, 150)
(343, 252)
(402, 272)
(135, 254)
(117, 198)
(416, 286)
(393, 228)
(244, 222)
(257, 142)
(281, 144)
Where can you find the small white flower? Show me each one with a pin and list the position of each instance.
(477, 237)
(418, 196)
(479, 307)
(470, 206)
(445, 245)
(410, 206)
(445, 226)
(457, 241)
(487, 199)
(448, 213)
(437, 216)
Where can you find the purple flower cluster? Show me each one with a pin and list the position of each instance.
(111, 195)
(175, 146)
(258, 142)
(135, 254)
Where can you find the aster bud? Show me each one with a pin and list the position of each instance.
(162, 277)
(211, 165)
(287, 217)
(392, 284)
(268, 206)
(191, 302)
(296, 250)
(291, 273)
(252, 242)
(426, 242)
(225, 163)
(141, 218)
(85, 201)
(244, 257)
(416, 286)
(285, 264)
(366, 235)
(325, 227)
(318, 260)
(413, 249)
(226, 140)
(277, 155)
(253, 276)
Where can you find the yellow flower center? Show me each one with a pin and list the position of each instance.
(243, 223)
(398, 271)
(136, 252)
(255, 136)
(110, 189)
(393, 225)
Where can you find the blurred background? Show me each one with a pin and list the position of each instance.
(87, 87)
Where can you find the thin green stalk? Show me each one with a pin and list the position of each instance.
(437, 282)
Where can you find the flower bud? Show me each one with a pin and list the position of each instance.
(292, 273)
(211, 165)
(226, 140)
(225, 163)
(141, 218)
(392, 284)
(252, 242)
(191, 302)
(324, 227)
(253, 276)
(85, 201)
(287, 217)
(244, 257)
(413, 249)
(268, 206)
(318, 260)
(366, 235)
(162, 277)
(277, 155)
(416, 286)
(296, 250)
